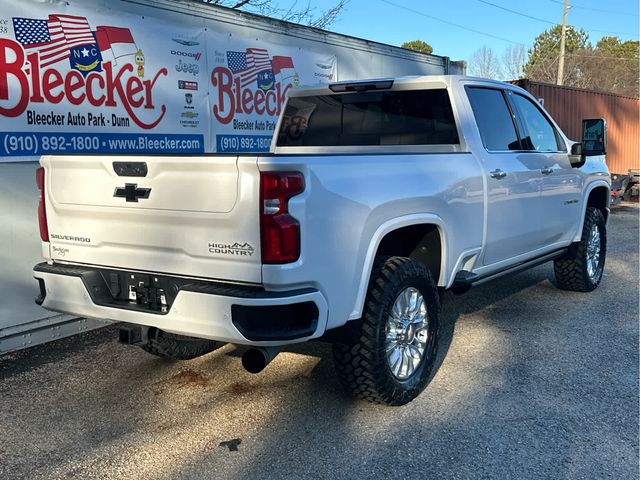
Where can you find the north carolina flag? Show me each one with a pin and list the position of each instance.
(280, 63)
(115, 41)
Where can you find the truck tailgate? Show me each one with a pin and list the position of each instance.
(188, 216)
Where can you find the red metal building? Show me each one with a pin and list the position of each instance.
(568, 106)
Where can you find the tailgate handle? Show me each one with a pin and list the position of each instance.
(130, 169)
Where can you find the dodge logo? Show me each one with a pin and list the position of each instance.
(131, 192)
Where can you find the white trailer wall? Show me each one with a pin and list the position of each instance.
(22, 323)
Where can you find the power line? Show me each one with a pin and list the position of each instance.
(607, 31)
(515, 12)
(437, 19)
(599, 10)
(518, 13)
(602, 56)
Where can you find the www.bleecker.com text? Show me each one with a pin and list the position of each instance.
(76, 119)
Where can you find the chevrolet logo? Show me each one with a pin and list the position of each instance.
(131, 192)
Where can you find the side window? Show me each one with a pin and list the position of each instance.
(538, 133)
(494, 119)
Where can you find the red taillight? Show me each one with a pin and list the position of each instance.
(42, 213)
(279, 231)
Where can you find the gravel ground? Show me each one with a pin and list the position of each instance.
(532, 383)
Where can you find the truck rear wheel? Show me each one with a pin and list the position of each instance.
(176, 347)
(580, 270)
(392, 360)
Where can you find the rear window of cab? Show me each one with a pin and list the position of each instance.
(411, 117)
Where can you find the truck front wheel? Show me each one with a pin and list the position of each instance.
(580, 270)
(176, 347)
(392, 360)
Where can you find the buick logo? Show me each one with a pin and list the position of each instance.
(131, 193)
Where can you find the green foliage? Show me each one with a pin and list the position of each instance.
(610, 66)
(418, 46)
(613, 66)
(608, 43)
(544, 54)
(613, 47)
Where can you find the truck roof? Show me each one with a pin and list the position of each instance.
(392, 83)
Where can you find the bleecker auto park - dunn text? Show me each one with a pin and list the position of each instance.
(75, 119)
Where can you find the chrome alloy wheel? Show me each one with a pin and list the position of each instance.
(593, 251)
(406, 333)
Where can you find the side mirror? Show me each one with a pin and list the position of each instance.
(594, 141)
(576, 158)
(594, 137)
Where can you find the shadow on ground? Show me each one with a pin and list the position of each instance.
(531, 382)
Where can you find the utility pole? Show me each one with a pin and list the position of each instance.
(563, 37)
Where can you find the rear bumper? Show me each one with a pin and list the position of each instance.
(227, 313)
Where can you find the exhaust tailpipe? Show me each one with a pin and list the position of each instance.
(256, 359)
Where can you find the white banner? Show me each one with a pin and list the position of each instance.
(79, 80)
(249, 83)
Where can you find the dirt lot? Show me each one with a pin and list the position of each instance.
(536, 383)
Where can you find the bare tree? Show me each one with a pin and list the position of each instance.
(598, 69)
(484, 63)
(295, 13)
(513, 60)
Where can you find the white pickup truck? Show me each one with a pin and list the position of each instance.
(375, 198)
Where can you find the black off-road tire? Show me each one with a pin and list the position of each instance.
(571, 270)
(362, 367)
(176, 347)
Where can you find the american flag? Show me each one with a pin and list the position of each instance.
(248, 64)
(54, 37)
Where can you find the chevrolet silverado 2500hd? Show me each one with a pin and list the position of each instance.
(376, 196)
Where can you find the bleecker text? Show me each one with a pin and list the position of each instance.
(232, 98)
(35, 118)
(110, 89)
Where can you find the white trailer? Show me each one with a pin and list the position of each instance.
(159, 76)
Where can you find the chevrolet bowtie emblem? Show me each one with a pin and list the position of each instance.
(131, 192)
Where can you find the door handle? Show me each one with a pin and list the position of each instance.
(498, 174)
(547, 170)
